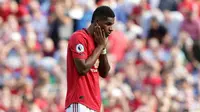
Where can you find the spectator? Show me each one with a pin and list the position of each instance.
(172, 21)
(117, 38)
(191, 25)
(38, 21)
(132, 30)
(168, 5)
(186, 6)
(85, 20)
(157, 30)
(60, 23)
(139, 9)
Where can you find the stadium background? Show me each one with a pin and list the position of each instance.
(154, 52)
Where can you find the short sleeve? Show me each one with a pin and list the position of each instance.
(78, 46)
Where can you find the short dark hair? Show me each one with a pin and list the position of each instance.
(154, 18)
(102, 12)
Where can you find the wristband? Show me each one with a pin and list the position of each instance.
(104, 51)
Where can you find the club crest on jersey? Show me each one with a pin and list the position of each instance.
(79, 48)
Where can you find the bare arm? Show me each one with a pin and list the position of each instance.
(83, 66)
(104, 66)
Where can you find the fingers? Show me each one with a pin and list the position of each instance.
(103, 33)
(98, 30)
(95, 35)
(99, 35)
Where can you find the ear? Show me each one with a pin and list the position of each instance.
(96, 21)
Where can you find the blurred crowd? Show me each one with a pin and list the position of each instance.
(154, 52)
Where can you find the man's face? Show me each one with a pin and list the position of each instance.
(106, 25)
(189, 16)
(154, 24)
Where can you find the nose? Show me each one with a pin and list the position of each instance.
(111, 29)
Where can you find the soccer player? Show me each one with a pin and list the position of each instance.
(86, 61)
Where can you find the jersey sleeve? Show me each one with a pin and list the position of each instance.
(78, 46)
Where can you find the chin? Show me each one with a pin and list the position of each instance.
(107, 35)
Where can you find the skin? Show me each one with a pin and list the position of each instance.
(100, 30)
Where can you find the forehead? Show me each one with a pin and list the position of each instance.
(109, 20)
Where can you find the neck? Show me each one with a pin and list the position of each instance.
(90, 30)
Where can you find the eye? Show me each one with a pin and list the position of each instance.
(109, 24)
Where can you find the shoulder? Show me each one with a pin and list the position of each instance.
(162, 27)
(78, 35)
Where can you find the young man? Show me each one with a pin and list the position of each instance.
(86, 61)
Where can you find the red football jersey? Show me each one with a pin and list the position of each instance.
(82, 89)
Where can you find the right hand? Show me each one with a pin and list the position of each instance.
(100, 37)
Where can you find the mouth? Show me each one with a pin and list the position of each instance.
(108, 33)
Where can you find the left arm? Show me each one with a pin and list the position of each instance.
(104, 66)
